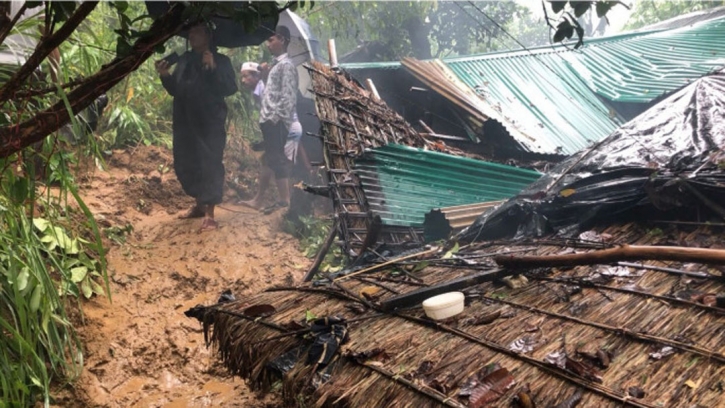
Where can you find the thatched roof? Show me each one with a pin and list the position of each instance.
(605, 335)
(634, 317)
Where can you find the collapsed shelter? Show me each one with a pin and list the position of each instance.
(602, 332)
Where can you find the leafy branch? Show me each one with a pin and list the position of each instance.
(568, 24)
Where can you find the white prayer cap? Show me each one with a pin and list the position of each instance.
(250, 66)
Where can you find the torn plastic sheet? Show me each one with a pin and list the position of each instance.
(668, 157)
(286, 361)
(329, 333)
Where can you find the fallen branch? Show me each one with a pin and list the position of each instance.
(623, 253)
(15, 137)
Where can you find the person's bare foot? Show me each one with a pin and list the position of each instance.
(208, 224)
(251, 204)
(194, 212)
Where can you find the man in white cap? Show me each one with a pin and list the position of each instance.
(251, 78)
(252, 81)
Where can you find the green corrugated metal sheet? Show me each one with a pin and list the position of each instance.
(403, 183)
(547, 97)
(644, 66)
(545, 106)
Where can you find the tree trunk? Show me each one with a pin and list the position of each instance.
(418, 32)
(14, 138)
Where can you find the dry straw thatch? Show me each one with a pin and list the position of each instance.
(404, 359)
(601, 336)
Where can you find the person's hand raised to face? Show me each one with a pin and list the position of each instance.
(162, 67)
(207, 60)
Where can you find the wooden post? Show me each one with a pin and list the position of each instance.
(372, 89)
(333, 53)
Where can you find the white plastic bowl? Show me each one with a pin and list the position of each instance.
(444, 306)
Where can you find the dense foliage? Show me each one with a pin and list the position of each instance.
(51, 253)
(425, 29)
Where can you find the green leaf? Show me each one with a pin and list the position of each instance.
(557, 6)
(580, 7)
(123, 48)
(22, 280)
(35, 298)
(121, 6)
(603, 8)
(309, 316)
(97, 289)
(420, 266)
(64, 241)
(79, 273)
(563, 30)
(35, 381)
(74, 248)
(87, 290)
(20, 190)
(41, 223)
(452, 252)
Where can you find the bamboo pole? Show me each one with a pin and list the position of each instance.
(333, 53)
(373, 90)
(390, 262)
(623, 253)
(671, 271)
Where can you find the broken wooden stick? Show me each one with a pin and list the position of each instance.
(390, 262)
(612, 255)
(373, 90)
(417, 297)
(322, 252)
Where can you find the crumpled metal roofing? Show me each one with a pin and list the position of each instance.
(543, 104)
(403, 183)
(547, 97)
(643, 66)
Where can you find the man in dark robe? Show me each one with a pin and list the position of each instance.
(199, 84)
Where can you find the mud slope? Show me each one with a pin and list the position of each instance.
(141, 349)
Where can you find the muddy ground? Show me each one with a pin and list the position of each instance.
(140, 348)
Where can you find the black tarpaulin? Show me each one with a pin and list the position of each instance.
(666, 158)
